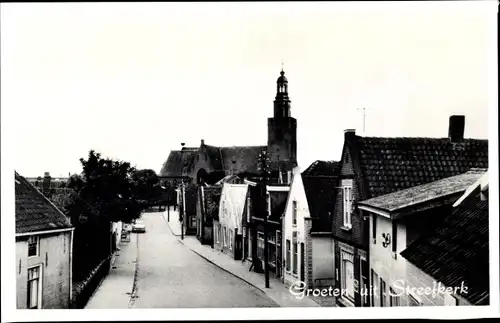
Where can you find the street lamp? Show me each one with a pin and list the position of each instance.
(264, 168)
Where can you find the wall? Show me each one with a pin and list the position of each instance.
(54, 256)
(322, 261)
(296, 193)
(382, 260)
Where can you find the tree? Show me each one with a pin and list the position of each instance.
(107, 186)
(146, 186)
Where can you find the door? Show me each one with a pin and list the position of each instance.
(302, 263)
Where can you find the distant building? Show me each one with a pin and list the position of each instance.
(44, 239)
(209, 164)
(207, 211)
(228, 228)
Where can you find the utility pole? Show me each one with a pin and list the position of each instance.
(264, 164)
(183, 209)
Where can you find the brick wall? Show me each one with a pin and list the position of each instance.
(54, 258)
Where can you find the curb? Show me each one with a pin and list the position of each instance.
(133, 294)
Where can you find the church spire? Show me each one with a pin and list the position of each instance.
(282, 101)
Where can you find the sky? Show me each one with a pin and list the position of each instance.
(135, 80)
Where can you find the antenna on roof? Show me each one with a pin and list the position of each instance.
(364, 117)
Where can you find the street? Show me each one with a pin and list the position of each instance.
(170, 275)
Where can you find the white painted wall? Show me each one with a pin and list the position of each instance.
(322, 251)
(298, 194)
(382, 260)
(232, 203)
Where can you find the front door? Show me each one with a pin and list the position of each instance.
(302, 263)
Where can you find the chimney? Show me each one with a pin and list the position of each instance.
(348, 133)
(456, 128)
(202, 142)
(46, 183)
(182, 144)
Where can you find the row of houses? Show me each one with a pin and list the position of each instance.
(392, 217)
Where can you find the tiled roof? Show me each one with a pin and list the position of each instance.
(391, 164)
(420, 194)
(320, 194)
(457, 251)
(34, 212)
(245, 157)
(174, 166)
(322, 168)
(221, 159)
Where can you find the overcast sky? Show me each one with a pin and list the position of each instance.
(134, 80)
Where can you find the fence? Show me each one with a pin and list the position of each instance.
(84, 290)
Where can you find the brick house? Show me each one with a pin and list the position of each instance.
(455, 253)
(396, 220)
(372, 167)
(208, 164)
(44, 238)
(207, 209)
(228, 236)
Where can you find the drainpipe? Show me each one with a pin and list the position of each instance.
(71, 266)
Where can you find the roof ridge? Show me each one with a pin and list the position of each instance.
(431, 138)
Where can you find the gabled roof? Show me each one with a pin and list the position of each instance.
(391, 164)
(417, 196)
(480, 186)
(228, 179)
(245, 158)
(322, 168)
(320, 193)
(236, 159)
(179, 162)
(34, 212)
(457, 251)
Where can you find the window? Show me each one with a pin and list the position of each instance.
(383, 293)
(347, 275)
(34, 291)
(249, 244)
(288, 255)
(393, 298)
(268, 204)
(294, 252)
(225, 236)
(230, 239)
(248, 209)
(394, 239)
(347, 202)
(374, 228)
(294, 213)
(375, 289)
(260, 245)
(449, 300)
(33, 244)
(216, 232)
(364, 281)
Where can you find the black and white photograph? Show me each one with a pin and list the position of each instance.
(285, 160)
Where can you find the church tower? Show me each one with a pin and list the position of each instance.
(282, 130)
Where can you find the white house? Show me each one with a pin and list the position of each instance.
(307, 226)
(44, 251)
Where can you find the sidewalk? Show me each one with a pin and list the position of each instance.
(115, 290)
(174, 223)
(277, 291)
